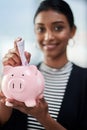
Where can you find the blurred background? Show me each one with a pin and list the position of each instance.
(16, 20)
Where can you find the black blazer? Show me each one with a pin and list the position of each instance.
(73, 112)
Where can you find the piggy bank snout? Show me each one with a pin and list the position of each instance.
(16, 85)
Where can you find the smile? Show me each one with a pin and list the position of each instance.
(50, 46)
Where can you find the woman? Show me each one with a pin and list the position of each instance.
(65, 96)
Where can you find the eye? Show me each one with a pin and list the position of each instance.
(22, 74)
(40, 29)
(58, 28)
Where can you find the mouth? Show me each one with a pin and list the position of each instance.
(49, 46)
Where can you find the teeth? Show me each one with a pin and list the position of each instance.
(49, 46)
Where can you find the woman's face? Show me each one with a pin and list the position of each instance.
(52, 33)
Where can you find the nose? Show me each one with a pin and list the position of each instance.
(48, 35)
(16, 85)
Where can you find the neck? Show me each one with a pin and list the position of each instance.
(55, 62)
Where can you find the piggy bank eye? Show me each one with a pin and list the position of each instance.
(22, 74)
(12, 75)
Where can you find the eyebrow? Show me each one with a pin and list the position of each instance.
(56, 22)
(39, 24)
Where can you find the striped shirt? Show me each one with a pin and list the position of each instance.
(55, 86)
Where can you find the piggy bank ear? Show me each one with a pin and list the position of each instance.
(6, 69)
(33, 68)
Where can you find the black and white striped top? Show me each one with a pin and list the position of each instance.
(55, 86)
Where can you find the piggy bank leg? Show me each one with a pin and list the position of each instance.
(31, 103)
(41, 96)
(8, 104)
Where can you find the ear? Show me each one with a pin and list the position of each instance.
(6, 69)
(73, 31)
(33, 68)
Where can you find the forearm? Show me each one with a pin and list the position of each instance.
(50, 124)
(5, 113)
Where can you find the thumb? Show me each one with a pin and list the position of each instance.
(27, 55)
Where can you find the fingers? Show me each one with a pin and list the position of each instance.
(27, 55)
(11, 58)
(35, 111)
(18, 105)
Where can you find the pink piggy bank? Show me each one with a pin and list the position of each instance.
(23, 83)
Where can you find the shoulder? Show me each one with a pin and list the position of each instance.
(78, 68)
(79, 72)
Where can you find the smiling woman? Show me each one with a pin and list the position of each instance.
(64, 105)
(50, 32)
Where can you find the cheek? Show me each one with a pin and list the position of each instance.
(64, 36)
(39, 38)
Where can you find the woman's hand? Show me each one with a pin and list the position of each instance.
(12, 57)
(2, 98)
(39, 111)
(5, 112)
